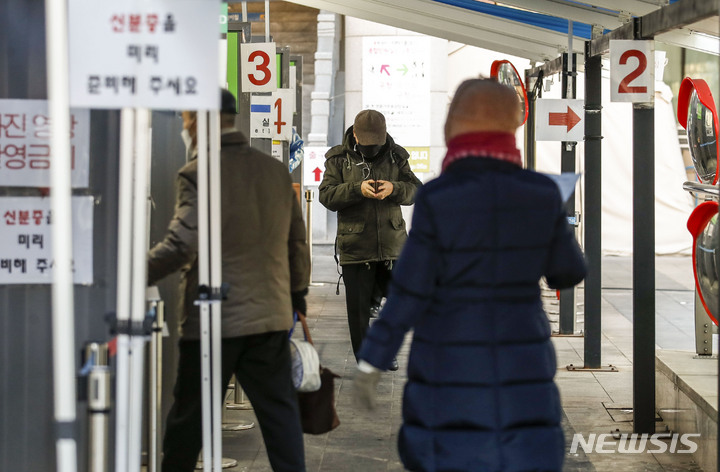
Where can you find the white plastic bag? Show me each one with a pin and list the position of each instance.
(305, 366)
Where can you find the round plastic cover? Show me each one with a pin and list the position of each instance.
(706, 259)
(505, 73)
(697, 113)
(702, 139)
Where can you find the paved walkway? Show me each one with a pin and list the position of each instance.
(592, 402)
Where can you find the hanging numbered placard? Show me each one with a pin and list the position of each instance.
(258, 69)
(271, 115)
(632, 71)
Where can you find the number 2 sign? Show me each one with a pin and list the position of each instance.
(632, 71)
(258, 67)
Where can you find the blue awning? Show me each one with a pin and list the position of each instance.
(540, 20)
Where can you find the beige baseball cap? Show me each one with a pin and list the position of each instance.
(369, 128)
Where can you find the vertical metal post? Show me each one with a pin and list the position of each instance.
(267, 21)
(204, 280)
(155, 387)
(308, 224)
(644, 268)
(210, 281)
(568, 306)
(593, 207)
(703, 329)
(99, 402)
(63, 318)
(122, 370)
(218, 389)
(138, 286)
(530, 127)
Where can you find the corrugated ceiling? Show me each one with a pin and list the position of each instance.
(527, 28)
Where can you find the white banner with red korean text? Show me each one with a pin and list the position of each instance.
(25, 151)
(159, 54)
(26, 255)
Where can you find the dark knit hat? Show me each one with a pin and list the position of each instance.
(370, 128)
(227, 102)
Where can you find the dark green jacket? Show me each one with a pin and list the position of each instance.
(368, 230)
(265, 256)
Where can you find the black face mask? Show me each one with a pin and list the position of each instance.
(369, 152)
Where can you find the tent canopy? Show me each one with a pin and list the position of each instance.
(538, 29)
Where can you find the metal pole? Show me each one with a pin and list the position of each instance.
(593, 208)
(204, 281)
(99, 402)
(567, 164)
(217, 389)
(139, 283)
(703, 329)
(644, 268)
(127, 133)
(569, 58)
(530, 127)
(155, 388)
(267, 21)
(568, 305)
(63, 310)
(308, 224)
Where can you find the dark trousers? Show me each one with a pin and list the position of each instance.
(361, 280)
(261, 363)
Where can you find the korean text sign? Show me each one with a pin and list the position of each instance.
(396, 82)
(25, 151)
(25, 240)
(160, 54)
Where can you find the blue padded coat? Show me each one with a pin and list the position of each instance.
(480, 394)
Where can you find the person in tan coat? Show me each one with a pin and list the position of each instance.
(265, 261)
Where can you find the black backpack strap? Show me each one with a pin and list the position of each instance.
(338, 266)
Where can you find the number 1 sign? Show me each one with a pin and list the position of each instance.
(632, 71)
(271, 115)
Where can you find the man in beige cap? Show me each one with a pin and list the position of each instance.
(366, 180)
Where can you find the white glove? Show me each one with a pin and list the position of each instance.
(364, 388)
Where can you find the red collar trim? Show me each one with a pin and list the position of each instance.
(492, 144)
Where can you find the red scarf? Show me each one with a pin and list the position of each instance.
(492, 144)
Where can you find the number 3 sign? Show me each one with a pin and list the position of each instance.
(258, 67)
(632, 71)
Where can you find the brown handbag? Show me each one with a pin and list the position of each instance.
(317, 409)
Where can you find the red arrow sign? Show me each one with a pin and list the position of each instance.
(569, 119)
(317, 173)
(384, 68)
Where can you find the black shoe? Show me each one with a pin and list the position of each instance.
(394, 365)
(374, 311)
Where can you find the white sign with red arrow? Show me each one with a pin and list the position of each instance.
(313, 165)
(559, 120)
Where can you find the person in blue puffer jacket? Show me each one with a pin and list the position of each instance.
(480, 394)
